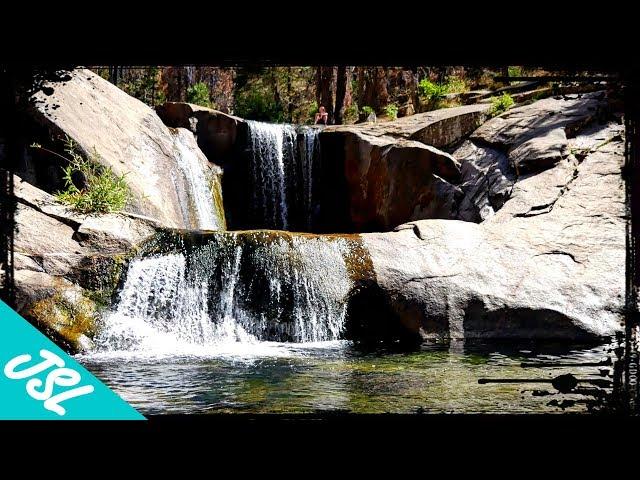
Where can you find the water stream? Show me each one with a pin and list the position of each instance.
(284, 164)
(199, 203)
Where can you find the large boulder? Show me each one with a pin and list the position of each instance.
(375, 183)
(128, 136)
(379, 175)
(217, 132)
(520, 124)
(65, 262)
(550, 264)
(520, 142)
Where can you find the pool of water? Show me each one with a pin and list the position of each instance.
(336, 376)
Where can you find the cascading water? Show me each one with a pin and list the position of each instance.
(199, 202)
(231, 289)
(309, 162)
(270, 144)
(284, 166)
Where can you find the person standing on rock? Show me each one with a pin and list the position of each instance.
(322, 116)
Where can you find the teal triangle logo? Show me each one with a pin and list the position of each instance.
(39, 381)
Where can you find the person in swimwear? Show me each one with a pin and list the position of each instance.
(322, 116)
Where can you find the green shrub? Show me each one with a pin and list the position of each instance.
(500, 104)
(431, 91)
(456, 85)
(313, 109)
(367, 110)
(102, 191)
(198, 94)
(392, 111)
(515, 71)
(438, 91)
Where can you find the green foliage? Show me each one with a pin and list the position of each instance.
(143, 84)
(351, 113)
(198, 94)
(367, 110)
(456, 85)
(515, 71)
(103, 191)
(434, 92)
(313, 109)
(254, 103)
(392, 111)
(431, 91)
(500, 104)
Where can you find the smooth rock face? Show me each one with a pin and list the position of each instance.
(521, 141)
(549, 264)
(487, 181)
(390, 181)
(379, 181)
(438, 128)
(540, 152)
(519, 124)
(126, 133)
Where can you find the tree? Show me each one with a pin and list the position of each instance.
(325, 80)
(113, 74)
(341, 93)
(372, 86)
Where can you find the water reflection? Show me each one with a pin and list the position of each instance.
(337, 376)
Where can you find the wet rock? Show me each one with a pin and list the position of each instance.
(62, 258)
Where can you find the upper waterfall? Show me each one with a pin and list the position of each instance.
(284, 161)
(201, 191)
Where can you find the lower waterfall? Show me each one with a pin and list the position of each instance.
(230, 289)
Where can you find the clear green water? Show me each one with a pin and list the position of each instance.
(335, 376)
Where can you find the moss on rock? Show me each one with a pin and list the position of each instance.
(68, 317)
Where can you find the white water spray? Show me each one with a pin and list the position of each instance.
(225, 294)
(200, 196)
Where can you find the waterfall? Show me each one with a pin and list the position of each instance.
(309, 161)
(199, 201)
(230, 289)
(283, 164)
(269, 143)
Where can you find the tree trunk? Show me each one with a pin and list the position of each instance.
(276, 92)
(341, 92)
(324, 90)
(113, 74)
(372, 83)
